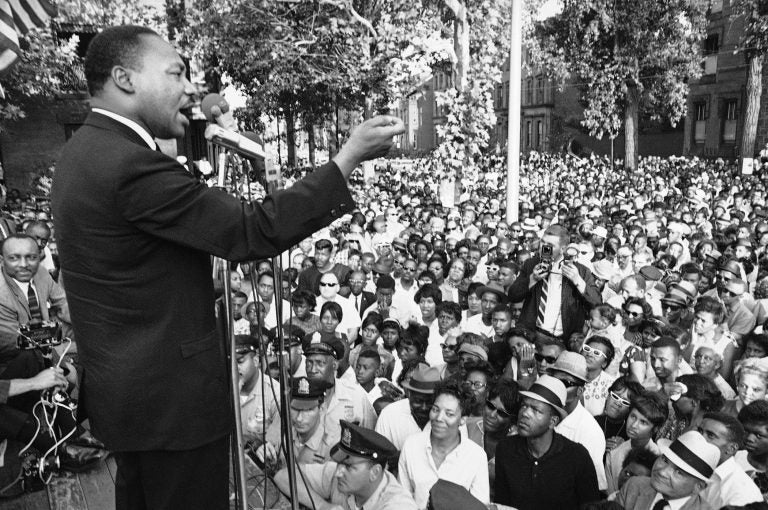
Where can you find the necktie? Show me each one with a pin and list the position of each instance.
(542, 302)
(661, 504)
(357, 303)
(34, 305)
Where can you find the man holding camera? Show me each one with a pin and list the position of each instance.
(557, 292)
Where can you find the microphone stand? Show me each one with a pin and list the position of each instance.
(238, 447)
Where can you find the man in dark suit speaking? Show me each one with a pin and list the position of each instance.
(135, 231)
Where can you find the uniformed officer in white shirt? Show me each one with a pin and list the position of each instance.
(357, 479)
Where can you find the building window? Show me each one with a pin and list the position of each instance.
(730, 115)
(499, 97)
(711, 48)
(539, 133)
(700, 123)
(529, 91)
(528, 134)
(539, 90)
(505, 95)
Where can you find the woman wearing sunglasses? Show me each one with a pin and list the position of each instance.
(599, 352)
(647, 414)
(613, 420)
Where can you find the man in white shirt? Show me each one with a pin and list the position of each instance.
(408, 416)
(730, 485)
(579, 426)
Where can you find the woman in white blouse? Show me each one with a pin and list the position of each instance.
(443, 451)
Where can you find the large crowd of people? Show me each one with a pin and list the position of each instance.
(607, 346)
(606, 349)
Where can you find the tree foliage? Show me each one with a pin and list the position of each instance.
(48, 64)
(621, 50)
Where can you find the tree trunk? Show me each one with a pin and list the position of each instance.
(290, 137)
(461, 47)
(311, 143)
(752, 108)
(630, 127)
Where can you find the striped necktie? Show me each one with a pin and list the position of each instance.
(34, 306)
(542, 302)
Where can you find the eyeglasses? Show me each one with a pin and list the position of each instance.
(501, 412)
(356, 281)
(447, 347)
(571, 384)
(633, 314)
(323, 284)
(478, 385)
(620, 400)
(540, 357)
(592, 351)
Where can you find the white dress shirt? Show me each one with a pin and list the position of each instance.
(396, 423)
(466, 465)
(581, 427)
(143, 133)
(730, 485)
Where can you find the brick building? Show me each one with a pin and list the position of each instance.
(715, 121)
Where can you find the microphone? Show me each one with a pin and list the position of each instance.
(214, 105)
(234, 141)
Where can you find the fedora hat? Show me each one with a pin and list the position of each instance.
(694, 455)
(424, 380)
(571, 363)
(549, 390)
(493, 288)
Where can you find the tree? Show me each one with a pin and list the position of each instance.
(49, 65)
(754, 45)
(294, 60)
(44, 67)
(628, 57)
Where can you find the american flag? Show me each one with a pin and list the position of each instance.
(17, 17)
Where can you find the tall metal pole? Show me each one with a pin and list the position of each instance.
(513, 142)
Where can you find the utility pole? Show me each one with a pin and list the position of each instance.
(513, 142)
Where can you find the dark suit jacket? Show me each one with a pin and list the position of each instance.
(8, 226)
(575, 306)
(135, 231)
(366, 300)
(637, 494)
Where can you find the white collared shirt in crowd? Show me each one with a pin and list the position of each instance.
(466, 465)
(730, 485)
(581, 427)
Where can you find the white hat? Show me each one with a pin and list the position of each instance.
(694, 455)
(604, 269)
(530, 224)
(549, 390)
(600, 231)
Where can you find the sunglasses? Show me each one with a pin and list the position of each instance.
(592, 351)
(540, 357)
(447, 347)
(633, 314)
(621, 400)
(322, 284)
(571, 384)
(501, 412)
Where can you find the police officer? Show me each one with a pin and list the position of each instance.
(310, 442)
(356, 479)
